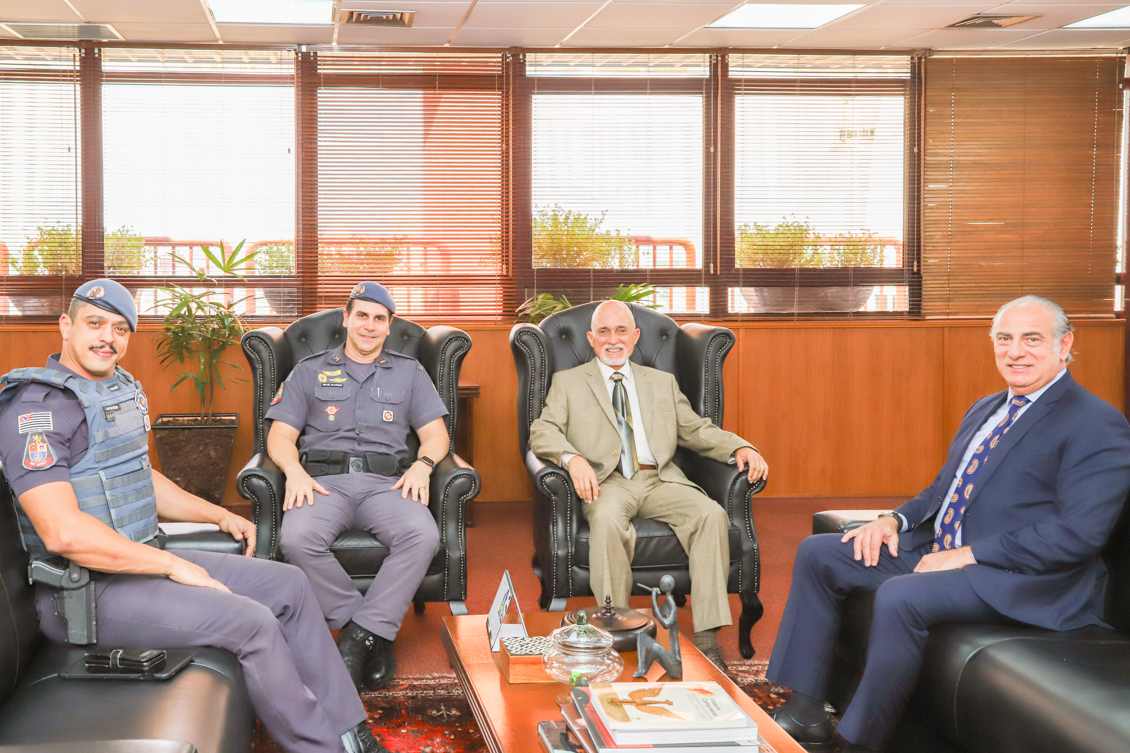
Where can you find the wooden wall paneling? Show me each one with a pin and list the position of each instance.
(1100, 363)
(884, 410)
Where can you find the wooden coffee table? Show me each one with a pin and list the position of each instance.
(508, 715)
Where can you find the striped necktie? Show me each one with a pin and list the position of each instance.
(947, 532)
(629, 463)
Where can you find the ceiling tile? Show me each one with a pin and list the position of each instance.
(624, 37)
(510, 37)
(855, 39)
(908, 17)
(1074, 39)
(266, 34)
(415, 36)
(548, 15)
(968, 39)
(1053, 17)
(657, 16)
(40, 10)
(165, 32)
(738, 38)
(142, 11)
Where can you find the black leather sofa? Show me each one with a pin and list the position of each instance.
(1004, 688)
(203, 708)
(271, 354)
(694, 353)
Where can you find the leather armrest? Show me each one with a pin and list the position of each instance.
(263, 482)
(205, 541)
(702, 351)
(724, 483)
(842, 521)
(533, 360)
(442, 350)
(556, 513)
(454, 483)
(270, 356)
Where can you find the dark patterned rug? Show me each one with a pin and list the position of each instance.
(431, 715)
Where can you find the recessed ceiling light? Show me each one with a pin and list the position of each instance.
(1116, 19)
(780, 16)
(304, 12)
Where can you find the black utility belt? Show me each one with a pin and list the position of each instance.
(333, 462)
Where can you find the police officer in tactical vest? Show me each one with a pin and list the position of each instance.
(74, 440)
(342, 421)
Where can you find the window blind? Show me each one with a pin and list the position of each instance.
(403, 180)
(40, 190)
(819, 194)
(1020, 183)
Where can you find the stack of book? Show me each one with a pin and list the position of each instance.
(683, 717)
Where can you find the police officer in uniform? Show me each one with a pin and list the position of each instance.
(74, 442)
(341, 429)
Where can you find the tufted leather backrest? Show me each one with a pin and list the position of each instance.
(693, 352)
(1116, 555)
(272, 354)
(19, 628)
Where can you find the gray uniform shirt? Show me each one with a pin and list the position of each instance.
(59, 417)
(339, 404)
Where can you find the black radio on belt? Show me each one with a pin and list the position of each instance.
(334, 462)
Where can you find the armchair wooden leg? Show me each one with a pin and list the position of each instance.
(752, 609)
(680, 600)
(458, 608)
(418, 606)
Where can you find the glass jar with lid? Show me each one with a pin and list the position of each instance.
(582, 654)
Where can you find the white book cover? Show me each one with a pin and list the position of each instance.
(666, 706)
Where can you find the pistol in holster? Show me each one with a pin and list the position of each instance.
(74, 601)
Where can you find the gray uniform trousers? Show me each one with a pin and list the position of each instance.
(363, 501)
(271, 621)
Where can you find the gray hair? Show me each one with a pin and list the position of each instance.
(621, 304)
(1060, 324)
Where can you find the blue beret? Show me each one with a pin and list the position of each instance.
(375, 292)
(109, 296)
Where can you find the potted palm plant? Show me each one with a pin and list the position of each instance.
(792, 244)
(195, 449)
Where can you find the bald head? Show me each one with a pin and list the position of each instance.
(613, 334)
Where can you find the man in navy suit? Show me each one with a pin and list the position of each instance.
(1011, 528)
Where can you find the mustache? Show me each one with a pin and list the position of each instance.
(101, 346)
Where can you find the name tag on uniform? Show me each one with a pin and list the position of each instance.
(111, 412)
(387, 415)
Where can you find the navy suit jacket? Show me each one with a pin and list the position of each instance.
(1045, 503)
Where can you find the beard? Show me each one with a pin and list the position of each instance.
(613, 362)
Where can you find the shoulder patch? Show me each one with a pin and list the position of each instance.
(38, 453)
(29, 422)
(278, 395)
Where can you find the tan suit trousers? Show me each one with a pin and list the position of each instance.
(700, 524)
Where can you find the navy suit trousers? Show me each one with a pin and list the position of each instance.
(906, 605)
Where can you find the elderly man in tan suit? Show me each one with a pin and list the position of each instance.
(615, 426)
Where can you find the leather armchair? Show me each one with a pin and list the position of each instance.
(1004, 687)
(694, 353)
(272, 353)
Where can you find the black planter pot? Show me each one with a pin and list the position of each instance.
(195, 454)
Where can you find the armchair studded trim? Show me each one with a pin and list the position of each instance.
(271, 354)
(695, 354)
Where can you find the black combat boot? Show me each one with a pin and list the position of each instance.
(380, 665)
(355, 643)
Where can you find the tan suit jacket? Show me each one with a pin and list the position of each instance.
(578, 418)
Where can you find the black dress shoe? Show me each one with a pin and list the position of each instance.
(355, 643)
(716, 657)
(368, 743)
(380, 665)
(818, 733)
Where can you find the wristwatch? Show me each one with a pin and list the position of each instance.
(427, 461)
(892, 514)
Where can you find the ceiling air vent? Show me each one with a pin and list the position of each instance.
(82, 32)
(990, 21)
(402, 18)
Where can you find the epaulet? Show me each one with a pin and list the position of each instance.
(398, 354)
(124, 375)
(314, 357)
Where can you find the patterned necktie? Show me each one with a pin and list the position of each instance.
(629, 463)
(947, 532)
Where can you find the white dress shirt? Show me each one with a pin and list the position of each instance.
(643, 450)
(979, 436)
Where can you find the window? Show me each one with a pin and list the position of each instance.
(617, 175)
(40, 160)
(198, 149)
(820, 146)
